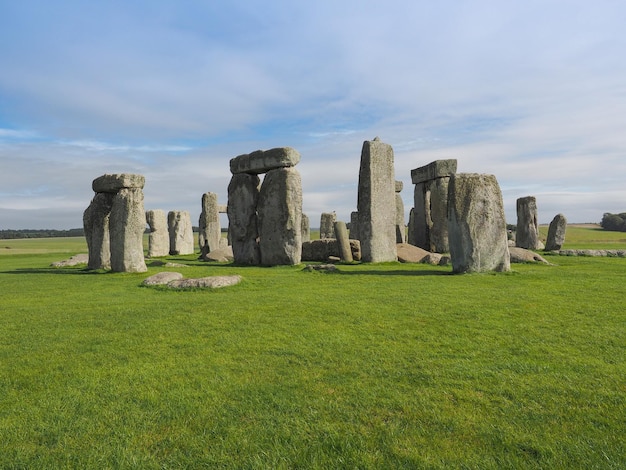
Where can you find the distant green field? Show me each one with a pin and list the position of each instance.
(376, 366)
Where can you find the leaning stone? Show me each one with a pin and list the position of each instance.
(127, 224)
(527, 232)
(476, 224)
(161, 278)
(522, 255)
(263, 161)
(436, 169)
(280, 217)
(343, 242)
(376, 203)
(158, 236)
(556, 233)
(113, 183)
(72, 261)
(243, 224)
(181, 233)
(212, 282)
(96, 225)
(411, 254)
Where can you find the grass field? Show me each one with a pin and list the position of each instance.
(376, 366)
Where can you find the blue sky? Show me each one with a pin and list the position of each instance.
(533, 92)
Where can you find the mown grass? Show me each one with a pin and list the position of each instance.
(376, 366)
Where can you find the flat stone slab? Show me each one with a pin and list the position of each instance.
(434, 170)
(212, 282)
(410, 253)
(163, 278)
(607, 253)
(522, 255)
(263, 161)
(72, 261)
(112, 183)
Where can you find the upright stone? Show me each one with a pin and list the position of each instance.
(280, 217)
(477, 225)
(243, 228)
(438, 217)
(209, 230)
(376, 202)
(181, 233)
(96, 226)
(158, 236)
(556, 233)
(343, 241)
(411, 228)
(400, 227)
(127, 224)
(527, 232)
(327, 225)
(306, 228)
(354, 225)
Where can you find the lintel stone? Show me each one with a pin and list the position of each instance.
(262, 161)
(436, 169)
(112, 183)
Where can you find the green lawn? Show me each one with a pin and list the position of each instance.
(376, 366)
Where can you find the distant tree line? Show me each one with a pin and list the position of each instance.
(46, 233)
(614, 222)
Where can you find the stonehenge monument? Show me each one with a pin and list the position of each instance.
(556, 233)
(181, 233)
(209, 230)
(430, 210)
(265, 221)
(527, 232)
(114, 223)
(476, 224)
(376, 202)
(158, 236)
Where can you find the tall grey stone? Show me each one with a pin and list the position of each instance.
(421, 217)
(279, 210)
(410, 239)
(556, 233)
(243, 228)
(354, 225)
(527, 232)
(127, 224)
(438, 217)
(327, 225)
(476, 224)
(376, 202)
(181, 233)
(400, 227)
(343, 241)
(158, 235)
(209, 230)
(306, 228)
(96, 226)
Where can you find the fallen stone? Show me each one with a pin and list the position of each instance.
(322, 250)
(410, 254)
(320, 267)
(521, 255)
(162, 278)
(221, 255)
(75, 260)
(212, 282)
(263, 161)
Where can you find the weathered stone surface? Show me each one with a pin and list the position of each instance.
(181, 233)
(212, 282)
(399, 185)
(75, 260)
(322, 250)
(263, 161)
(306, 228)
(436, 169)
(127, 224)
(343, 242)
(436, 259)
(220, 255)
(607, 253)
(527, 232)
(476, 224)
(162, 278)
(400, 227)
(209, 230)
(114, 182)
(522, 255)
(410, 238)
(243, 228)
(158, 236)
(96, 225)
(354, 225)
(411, 254)
(280, 217)
(327, 225)
(438, 215)
(556, 233)
(421, 217)
(222, 208)
(376, 202)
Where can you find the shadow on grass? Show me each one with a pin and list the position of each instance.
(382, 272)
(80, 271)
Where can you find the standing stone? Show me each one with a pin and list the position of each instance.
(306, 228)
(376, 202)
(411, 228)
(209, 230)
(400, 227)
(280, 217)
(343, 241)
(327, 225)
(354, 225)
(421, 217)
(527, 232)
(96, 226)
(158, 237)
(127, 224)
(243, 229)
(477, 225)
(438, 223)
(181, 233)
(556, 233)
